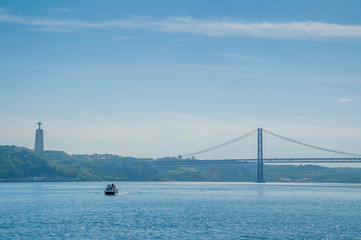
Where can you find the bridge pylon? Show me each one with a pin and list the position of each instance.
(260, 178)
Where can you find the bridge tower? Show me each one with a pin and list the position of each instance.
(260, 156)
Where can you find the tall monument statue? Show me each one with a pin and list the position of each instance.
(39, 139)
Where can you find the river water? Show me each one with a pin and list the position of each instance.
(180, 210)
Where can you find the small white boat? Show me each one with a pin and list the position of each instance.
(111, 189)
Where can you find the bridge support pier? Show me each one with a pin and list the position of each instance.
(260, 157)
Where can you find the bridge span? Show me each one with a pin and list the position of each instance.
(261, 146)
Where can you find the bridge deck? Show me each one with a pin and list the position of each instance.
(266, 160)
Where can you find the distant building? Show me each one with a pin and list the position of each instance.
(39, 139)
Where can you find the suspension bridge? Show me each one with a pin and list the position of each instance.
(261, 146)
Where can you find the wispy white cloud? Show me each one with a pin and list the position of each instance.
(60, 10)
(50, 29)
(344, 100)
(123, 37)
(237, 56)
(204, 27)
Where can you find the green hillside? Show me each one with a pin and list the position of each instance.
(22, 164)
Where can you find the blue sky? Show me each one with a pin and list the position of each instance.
(157, 78)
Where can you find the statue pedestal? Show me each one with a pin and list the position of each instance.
(39, 140)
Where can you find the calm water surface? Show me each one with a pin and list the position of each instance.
(180, 211)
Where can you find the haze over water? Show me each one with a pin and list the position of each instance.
(180, 211)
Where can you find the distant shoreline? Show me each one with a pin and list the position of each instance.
(201, 182)
(20, 164)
